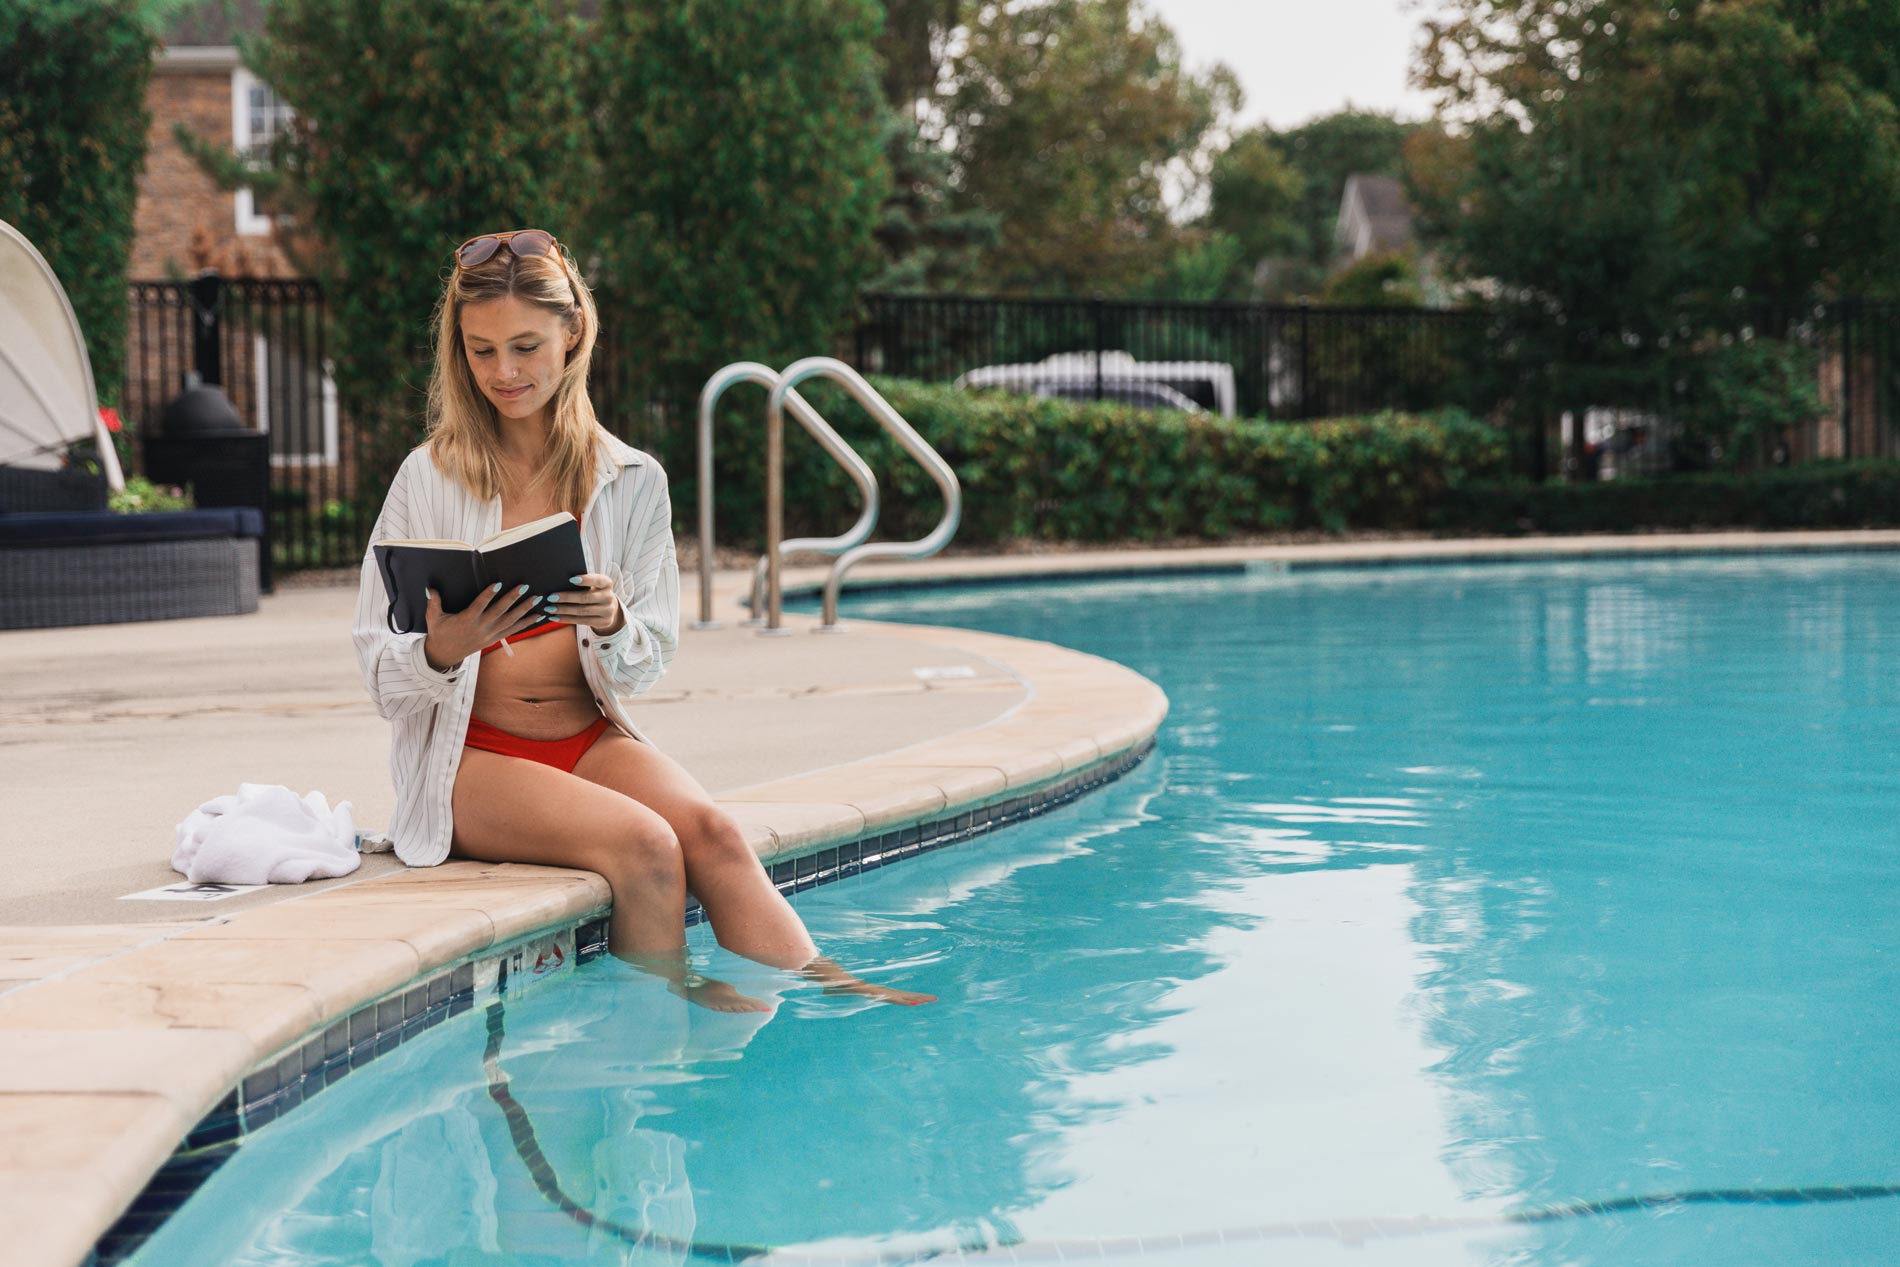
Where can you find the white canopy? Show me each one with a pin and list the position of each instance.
(47, 398)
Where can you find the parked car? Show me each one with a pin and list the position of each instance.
(1619, 443)
(1197, 386)
(1124, 391)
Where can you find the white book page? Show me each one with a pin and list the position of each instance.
(423, 541)
(521, 532)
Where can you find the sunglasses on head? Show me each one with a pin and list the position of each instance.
(523, 242)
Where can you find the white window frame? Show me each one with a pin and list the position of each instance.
(250, 222)
(260, 382)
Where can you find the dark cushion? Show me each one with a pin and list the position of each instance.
(105, 527)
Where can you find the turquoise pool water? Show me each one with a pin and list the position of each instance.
(1499, 915)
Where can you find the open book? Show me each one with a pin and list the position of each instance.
(543, 555)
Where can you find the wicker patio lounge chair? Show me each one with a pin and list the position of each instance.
(64, 558)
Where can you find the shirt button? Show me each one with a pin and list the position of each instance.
(586, 643)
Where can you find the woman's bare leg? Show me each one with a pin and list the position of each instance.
(748, 914)
(508, 809)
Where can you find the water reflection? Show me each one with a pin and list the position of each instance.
(1409, 916)
(1653, 837)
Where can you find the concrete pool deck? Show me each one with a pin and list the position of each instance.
(123, 1023)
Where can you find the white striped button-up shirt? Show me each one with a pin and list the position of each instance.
(627, 532)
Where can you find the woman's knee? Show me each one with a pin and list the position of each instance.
(710, 836)
(637, 848)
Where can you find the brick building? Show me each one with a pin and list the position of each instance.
(270, 360)
(184, 222)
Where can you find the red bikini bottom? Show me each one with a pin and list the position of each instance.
(562, 754)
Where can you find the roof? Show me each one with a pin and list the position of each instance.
(1382, 201)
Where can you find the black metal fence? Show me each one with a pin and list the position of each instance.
(1632, 409)
(1285, 361)
(264, 342)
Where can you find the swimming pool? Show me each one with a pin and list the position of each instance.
(1505, 914)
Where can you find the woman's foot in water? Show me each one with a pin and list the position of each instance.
(836, 980)
(707, 992)
(717, 995)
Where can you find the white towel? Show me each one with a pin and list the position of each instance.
(266, 835)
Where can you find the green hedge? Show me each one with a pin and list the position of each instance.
(72, 142)
(1062, 470)
(1862, 494)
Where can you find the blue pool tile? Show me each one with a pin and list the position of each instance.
(362, 1026)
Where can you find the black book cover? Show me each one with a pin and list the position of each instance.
(545, 562)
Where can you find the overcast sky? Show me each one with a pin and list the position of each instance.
(1301, 58)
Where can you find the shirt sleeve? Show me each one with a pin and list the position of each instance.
(396, 673)
(647, 583)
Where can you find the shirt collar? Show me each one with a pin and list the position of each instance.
(615, 453)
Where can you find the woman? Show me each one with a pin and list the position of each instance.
(511, 744)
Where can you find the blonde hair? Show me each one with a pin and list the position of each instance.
(464, 427)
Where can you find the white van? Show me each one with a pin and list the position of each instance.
(1194, 386)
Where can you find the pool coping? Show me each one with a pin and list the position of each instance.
(210, 1019)
(173, 1047)
(1058, 567)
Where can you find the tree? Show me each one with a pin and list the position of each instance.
(1253, 199)
(1278, 194)
(741, 177)
(927, 242)
(1757, 132)
(910, 49)
(72, 143)
(1641, 167)
(1386, 279)
(419, 123)
(1325, 152)
(1065, 117)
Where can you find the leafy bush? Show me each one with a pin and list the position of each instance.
(1861, 494)
(140, 495)
(1735, 398)
(72, 142)
(1081, 471)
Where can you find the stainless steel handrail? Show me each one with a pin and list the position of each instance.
(716, 386)
(892, 421)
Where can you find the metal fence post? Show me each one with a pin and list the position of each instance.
(207, 307)
(1306, 365)
(1847, 379)
(1101, 337)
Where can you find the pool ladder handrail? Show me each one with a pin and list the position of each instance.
(886, 416)
(716, 386)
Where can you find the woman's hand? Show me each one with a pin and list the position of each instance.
(490, 618)
(593, 605)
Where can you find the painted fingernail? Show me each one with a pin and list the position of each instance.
(497, 588)
(522, 590)
(575, 580)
